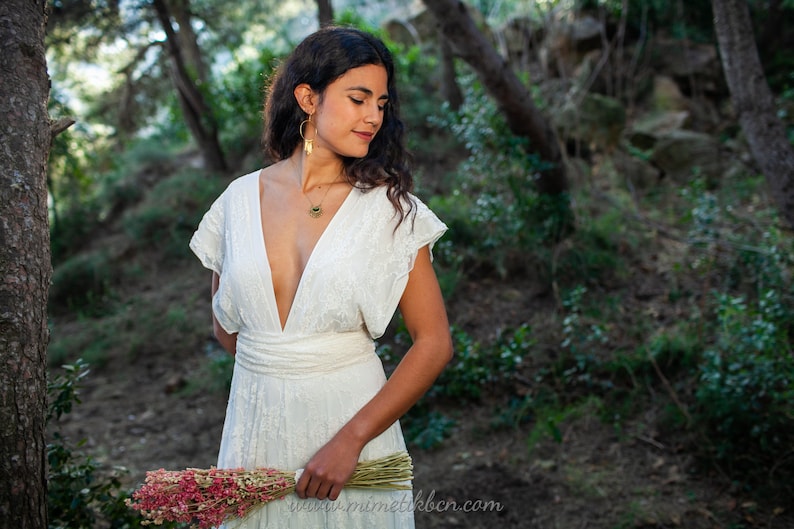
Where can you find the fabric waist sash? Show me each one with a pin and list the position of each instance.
(300, 356)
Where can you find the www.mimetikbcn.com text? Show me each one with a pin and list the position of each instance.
(408, 503)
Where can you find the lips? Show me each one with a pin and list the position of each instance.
(366, 136)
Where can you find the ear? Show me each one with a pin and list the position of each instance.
(305, 97)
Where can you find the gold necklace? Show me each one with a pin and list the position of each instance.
(316, 212)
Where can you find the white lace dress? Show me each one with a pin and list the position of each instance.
(294, 388)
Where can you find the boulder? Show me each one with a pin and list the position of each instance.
(567, 41)
(596, 121)
(682, 154)
(666, 95)
(694, 66)
(634, 172)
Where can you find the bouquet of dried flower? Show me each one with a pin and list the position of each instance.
(211, 496)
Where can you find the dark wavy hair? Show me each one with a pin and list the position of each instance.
(319, 60)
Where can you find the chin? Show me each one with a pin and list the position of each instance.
(358, 153)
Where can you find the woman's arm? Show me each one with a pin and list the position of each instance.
(228, 341)
(422, 308)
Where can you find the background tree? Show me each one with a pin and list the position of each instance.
(754, 103)
(325, 12)
(196, 112)
(24, 263)
(512, 97)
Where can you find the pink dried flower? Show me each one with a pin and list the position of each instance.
(209, 497)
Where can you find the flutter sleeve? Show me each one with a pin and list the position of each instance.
(209, 243)
(392, 264)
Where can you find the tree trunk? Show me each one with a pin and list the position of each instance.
(195, 110)
(24, 264)
(512, 97)
(450, 90)
(188, 43)
(754, 103)
(325, 12)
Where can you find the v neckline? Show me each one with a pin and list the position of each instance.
(266, 261)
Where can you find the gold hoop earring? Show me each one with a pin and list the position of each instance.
(308, 144)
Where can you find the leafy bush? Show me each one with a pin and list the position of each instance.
(746, 388)
(592, 252)
(427, 429)
(171, 212)
(497, 219)
(81, 493)
(214, 376)
(475, 367)
(238, 99)
(474, 370)
(82, 283)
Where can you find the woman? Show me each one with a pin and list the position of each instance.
(311, 257)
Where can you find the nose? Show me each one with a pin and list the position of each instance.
(374, 115)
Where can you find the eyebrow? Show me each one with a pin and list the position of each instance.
(366, 91)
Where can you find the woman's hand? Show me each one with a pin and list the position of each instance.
(328, 470)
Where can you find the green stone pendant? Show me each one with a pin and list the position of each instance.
(316, 212)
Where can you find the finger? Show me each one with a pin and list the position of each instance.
(333, 494)
(313, 488)
(322, 491)
(300, 486)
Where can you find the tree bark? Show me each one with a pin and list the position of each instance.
(24, 264)
(512, 97)
(754, 103)
(188, 42)
(450, 90)
(196, 111)
(325, 12)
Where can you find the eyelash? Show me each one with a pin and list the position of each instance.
(360, 102)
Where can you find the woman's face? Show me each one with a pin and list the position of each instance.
(350, 112)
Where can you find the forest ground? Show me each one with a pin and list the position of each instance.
(162, 409)
(141, 415)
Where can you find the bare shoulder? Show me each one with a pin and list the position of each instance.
(273, 173)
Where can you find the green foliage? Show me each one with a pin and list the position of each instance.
(746, 387)
(550, 417)
(675, 350)
(70, 180)
(497, 219)
(691, 19)
(81, 493)
(215, 376)
(475, 368)
(171, 212)
(239, 101)
(428, 429)
(518, 411)
(416, 71)
(745, 384)
(148, 325)
(82, 282)
(91, 187)
(579, 337)
(63, 391)
(592, 252)
(579, 362)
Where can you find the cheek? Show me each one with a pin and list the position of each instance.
(332, 120)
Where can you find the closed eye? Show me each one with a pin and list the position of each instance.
(381, 108)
